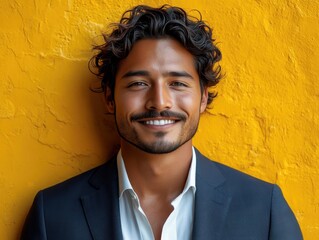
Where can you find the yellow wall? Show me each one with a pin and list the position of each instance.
(265, 121)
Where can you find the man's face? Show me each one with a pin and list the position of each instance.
(157, 96)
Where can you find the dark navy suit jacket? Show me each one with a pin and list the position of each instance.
(229, 205)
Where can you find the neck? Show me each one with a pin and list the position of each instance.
(157, 175)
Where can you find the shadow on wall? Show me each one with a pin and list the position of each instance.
(106, 127)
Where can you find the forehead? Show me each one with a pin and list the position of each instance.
(158, 56)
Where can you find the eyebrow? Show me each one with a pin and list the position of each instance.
(136, 73)
(167, 74)
(178, 74)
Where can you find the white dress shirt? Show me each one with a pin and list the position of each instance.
(134, 222)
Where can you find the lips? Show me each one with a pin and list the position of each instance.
(153, 117)
(160, 122)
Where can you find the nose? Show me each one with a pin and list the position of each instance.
(159, 98)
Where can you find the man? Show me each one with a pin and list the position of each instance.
(156, 67)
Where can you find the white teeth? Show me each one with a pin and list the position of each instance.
(159, 122)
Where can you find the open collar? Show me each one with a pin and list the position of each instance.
(101, 206)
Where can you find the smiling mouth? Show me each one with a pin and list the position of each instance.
(158, 119)
(160, 122)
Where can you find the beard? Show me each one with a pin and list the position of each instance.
(160, 145)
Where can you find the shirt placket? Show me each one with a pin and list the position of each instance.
(146, 232)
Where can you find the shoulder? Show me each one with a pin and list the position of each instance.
(83, 183)
(238, 177)
(260, 205)
(232, 181)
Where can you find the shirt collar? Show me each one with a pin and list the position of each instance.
(125, 184)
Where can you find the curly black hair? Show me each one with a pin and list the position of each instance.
(145, 22)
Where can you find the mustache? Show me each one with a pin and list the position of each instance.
(156, 114)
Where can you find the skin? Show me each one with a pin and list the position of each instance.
(158, 75)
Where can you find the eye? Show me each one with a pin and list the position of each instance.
(137, 84)
(178, 84)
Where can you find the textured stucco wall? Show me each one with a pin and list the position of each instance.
(265, 121)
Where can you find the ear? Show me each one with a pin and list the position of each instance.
(108, 101)
(203, 103)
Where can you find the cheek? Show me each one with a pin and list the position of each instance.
(128, 103)
(190, 102)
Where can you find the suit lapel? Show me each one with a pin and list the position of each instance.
(211, 203)
(101, 206)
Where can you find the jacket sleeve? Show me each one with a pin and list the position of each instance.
(34, 226)
(283, 224)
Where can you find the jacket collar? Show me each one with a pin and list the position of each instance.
(211, 201)
(101, 207)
